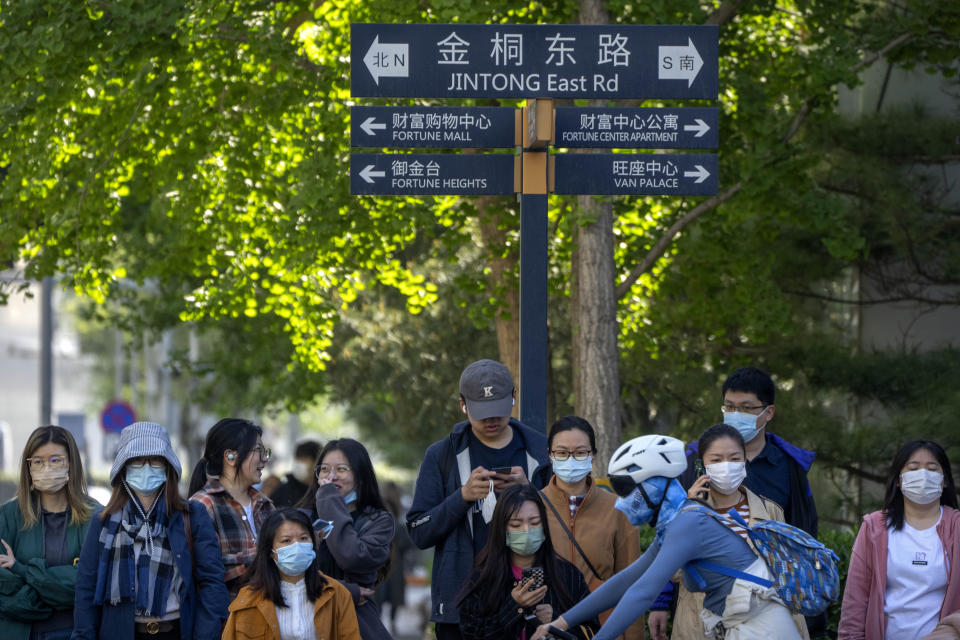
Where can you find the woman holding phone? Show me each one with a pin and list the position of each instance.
(722, 458)
(518, 581)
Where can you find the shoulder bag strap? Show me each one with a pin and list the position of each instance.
(569, 533)
(189, 534)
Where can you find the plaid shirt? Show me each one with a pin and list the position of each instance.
(238, 545)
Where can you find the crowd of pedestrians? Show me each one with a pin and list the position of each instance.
(527, 543)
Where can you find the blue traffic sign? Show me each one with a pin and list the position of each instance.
(433, 127)
(116, 415)
(534, 61)
(649, 174)
(636, 128)
(432, 174)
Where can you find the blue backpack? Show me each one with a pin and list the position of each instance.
(805, 571)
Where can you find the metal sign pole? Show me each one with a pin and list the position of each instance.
(533, 264)
(540, 63)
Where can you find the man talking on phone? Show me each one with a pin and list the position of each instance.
(460, 478)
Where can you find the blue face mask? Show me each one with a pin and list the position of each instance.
(145, 479)
(296, 558)
(572, 471)
(350, 497)
(745, 423)
(323, 527)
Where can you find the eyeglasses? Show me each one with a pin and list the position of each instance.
(264, 452)
(155, 463)
(743, 408)
(340, 469)
(579, 455)
(54, 462)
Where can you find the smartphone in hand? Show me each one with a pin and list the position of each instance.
(702, 472)
(532, 572)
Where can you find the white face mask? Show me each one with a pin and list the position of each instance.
(302, 471)
(921, 486)
(489, 504)
(726, 477)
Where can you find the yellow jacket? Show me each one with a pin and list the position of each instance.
(604, 534)
(253, 616)
(687, 624)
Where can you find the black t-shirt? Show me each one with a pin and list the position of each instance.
(512, 455)
(55, 554)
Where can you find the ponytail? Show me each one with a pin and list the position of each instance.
(198, 479)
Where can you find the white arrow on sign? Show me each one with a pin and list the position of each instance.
(387, 60)
(701, 128)
(679, 63)
(700, 174)
(370, 124)
(369, 174)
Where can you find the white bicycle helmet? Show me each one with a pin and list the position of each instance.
(643, 458)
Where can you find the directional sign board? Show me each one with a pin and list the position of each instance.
(436, 127)
(436, 174)
(648, 174)
(534, 61)
(636, 128)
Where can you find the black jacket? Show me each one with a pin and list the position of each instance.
(510, 619)
(289, 493)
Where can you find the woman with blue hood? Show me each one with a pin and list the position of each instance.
(643, 472)
(150, 566)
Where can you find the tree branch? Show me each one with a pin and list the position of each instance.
(660, 247)
(856, 471)
(890, 300)
(725, 12)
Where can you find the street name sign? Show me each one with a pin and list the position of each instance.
(646, 174)
(636, 128)
(434, 127)
(432, 174)
(534, 61)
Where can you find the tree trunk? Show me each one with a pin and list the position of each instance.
(596, 370)
(502, 284)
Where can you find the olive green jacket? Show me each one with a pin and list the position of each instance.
(29, 590)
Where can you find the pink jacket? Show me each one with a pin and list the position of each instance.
(861, 615)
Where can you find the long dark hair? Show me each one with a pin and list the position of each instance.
(893, 500)
(265, 576)
(78, 501)
(364, 479)
(234, 434)
(492, 576)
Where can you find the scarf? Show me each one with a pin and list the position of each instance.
(146, 582)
